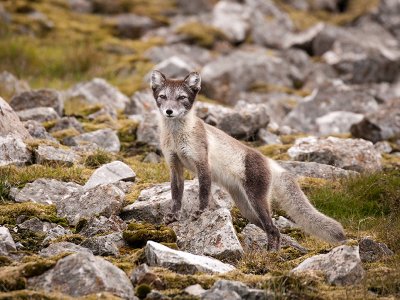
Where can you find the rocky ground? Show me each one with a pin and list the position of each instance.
(83, 185)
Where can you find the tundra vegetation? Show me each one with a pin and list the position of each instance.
(298, 79)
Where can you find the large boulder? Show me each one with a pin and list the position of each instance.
(38, 98)
(154, 203)
(13, 151)
(104, 200)
(350, 154)
(183, 262)
(105, 139)
(336, 97)
(225, 77)
(110, 173)
(380, 125)
(46, 191)
(10, 123)
(212, 234)
(315, 170)
(7, 243)
(341, 266)
(242, 121)
(81, 274)
(98, 91)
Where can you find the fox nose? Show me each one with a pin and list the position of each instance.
(169, 112)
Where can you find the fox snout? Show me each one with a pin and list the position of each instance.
(174, 97)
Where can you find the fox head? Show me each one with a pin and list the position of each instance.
(175, 97)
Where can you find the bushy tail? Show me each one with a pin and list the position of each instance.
(290, 198)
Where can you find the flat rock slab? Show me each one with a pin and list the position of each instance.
(13, 151)
(39, 114)
(110, 173)
(46, 191)
(183, 262)
(212, 234)
(63, 247)
(155, 202)
(81, 274)
(341, 266)
(104, 200)
(315, 170)
(7, 243)
(105, 139)
(350, 154)
(10, 123)
(55, 156)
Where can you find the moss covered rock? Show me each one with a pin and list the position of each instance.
(138, 234)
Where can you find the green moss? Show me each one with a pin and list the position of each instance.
(201, 34)
(275, 151)
(239, 222)
(142, 290)
(34, 295)
(71, 238)
(127, 132)
(79, 107)
(4, 261)
(9, 213)
(31, 241)
(138, 234)
(65, 133)
(98, 158)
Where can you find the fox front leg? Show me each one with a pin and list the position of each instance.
(204, 175)
(177, 186)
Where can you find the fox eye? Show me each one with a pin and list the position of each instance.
(163, 97)
(181, 97)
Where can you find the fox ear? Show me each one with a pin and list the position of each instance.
(157, 79)
(193, 80)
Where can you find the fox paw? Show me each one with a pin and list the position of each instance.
(196, 215)
(171, 218)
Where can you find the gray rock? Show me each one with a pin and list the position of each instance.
(156, 295)
(54, 233)
(383, 147)
(10, 85)
(183, 262)
(38, 98)
(13, 151)
(242, 121)
(341, 266)
(110, 173)
(81, 6)
(143, 275)
(337, 122)
(371, 251)
(7, 243)
(389, 16)
(47, 191)
(175, 67)
(154, 203)
(55, 156)
(152, 157)
(98, 91)
(67, 123)
(212, 234)
(350, 154)
(232, 19)
(101, 225)
(195, 6)
(229, 289)
(131, 26)
(255, 239)
(225, 77)
(147, 131)
(141, 102)
(380, 125)
(63, 247)
(194, 290)
(37, 131)
(283, 224)
(105, 245)
(315, 170)
(81, 274)
(268, 138)
(10, 123)
(105, 139)
(336, 97)
(103, 200)
(40, 114)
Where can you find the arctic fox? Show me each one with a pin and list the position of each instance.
(252, 179)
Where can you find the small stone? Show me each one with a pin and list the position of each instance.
(13, 151)
(63, 247)
(37, 131)
(105, 245)
(268, 138)
(152, 158)
(131, 26)
(194, 290)
(10, 123)
(40, 114)
(341, 266)
(228, 289)
(110, 173)
(371, 251)
(82, 274)
(183, 262)
(38, 98)
(105, 139)
(383, 147)
(147, 131)
(175, 67)
(283, 224)
(101, 225)
(7, 243)
(337, 122)
(67, 123)
(140, 103)
(55, 156)
(9, 84)
(143, 275)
